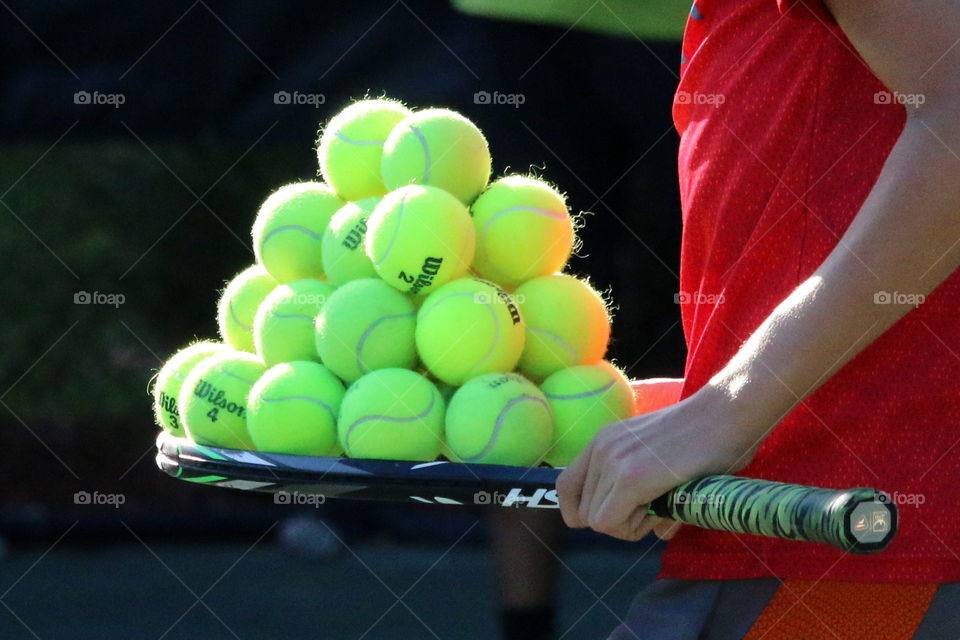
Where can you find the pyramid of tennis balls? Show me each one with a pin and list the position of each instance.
(404, 307)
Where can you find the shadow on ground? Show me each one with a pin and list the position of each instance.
(245, 589)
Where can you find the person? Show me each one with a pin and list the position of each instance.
(818, 166)
(527, 545)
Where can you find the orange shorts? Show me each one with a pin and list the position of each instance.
(770, 609)
(843, 611)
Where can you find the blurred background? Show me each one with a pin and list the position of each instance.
(136, 144)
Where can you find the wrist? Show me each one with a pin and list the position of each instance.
(739, 424)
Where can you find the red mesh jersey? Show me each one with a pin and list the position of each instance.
(784, 132)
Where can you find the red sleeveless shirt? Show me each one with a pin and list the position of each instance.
(784, 132)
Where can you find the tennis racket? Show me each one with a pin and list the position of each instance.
(860, 520)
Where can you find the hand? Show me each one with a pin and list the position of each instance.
(610, 485)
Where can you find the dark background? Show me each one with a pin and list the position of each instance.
(153, 199)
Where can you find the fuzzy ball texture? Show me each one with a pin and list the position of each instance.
(567, 324)
(392, 414)
(467, 328)
(524, 230)
(288, 231)
(366, 325)
(344, 255)
(238, 306)
(283, 326)
(351, 147)
(584, 399)
(293, 409)
(420, 238)
(440, 148)
(213, 399)
(166, 387)
(499, 418)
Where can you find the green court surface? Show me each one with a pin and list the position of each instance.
(377, 590)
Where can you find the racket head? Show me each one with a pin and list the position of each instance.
(727, 503)
(438, 482)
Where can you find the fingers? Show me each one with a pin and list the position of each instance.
(635, 526)
(641, 522)
(594, 496)
(592, 510)
(616, 511)
(643, 527)
(594, 488)
(570, 489)
(607, 489)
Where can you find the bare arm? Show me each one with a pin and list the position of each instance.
(905, 238)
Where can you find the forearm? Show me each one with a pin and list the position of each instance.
(904, 239)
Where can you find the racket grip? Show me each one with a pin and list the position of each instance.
(860, 520)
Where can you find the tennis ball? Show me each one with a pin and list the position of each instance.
(420, 238)
(437, 147)
(391, 414)
(351, 146)
(446, 392)
(366, 325)
(469, 327)
(567, 324)
(213, 399)
(283, 326)
(499, 418)
(344, 257)
(289, 228)
(169, 381)
(293, 409)
(524, 230)
(238, 305)
(584, 399)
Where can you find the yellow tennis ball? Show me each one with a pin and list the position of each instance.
(366, 325)
(288, 231)
(420, 238)
(213, 399)
(344, 256)
(283, 326)
(351, 146)
(446, 392)
(293, 409)
(391, 414)
(499, 418)
(584, 399)
(567, 324)
(437, 147)
(469, 327)
(524, 230)
(238, 305)
(166, 387)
